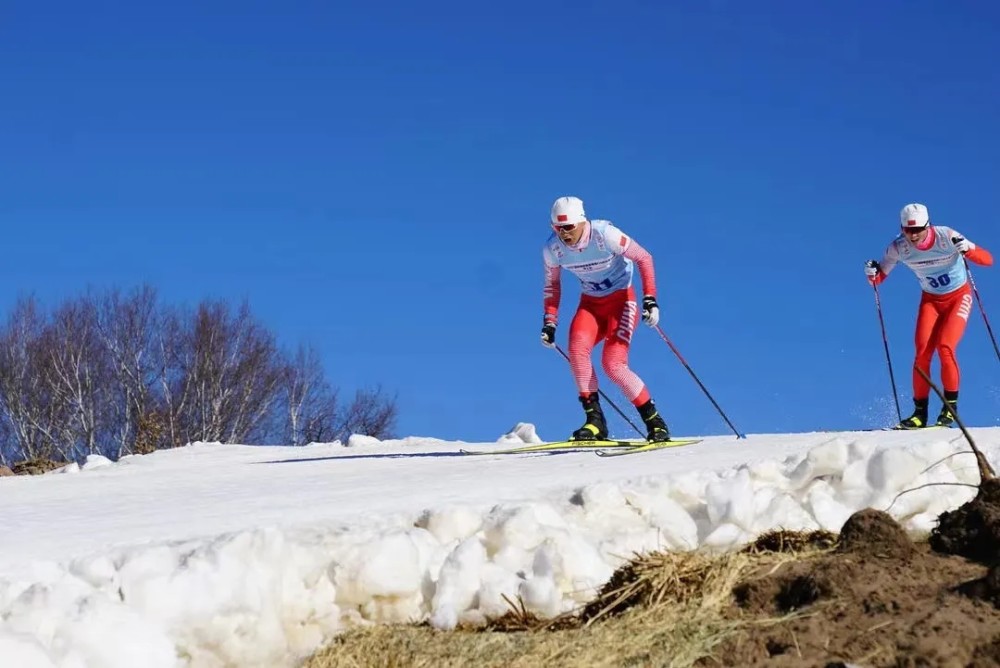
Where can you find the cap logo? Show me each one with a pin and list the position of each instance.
(562, 218)
(911, 222)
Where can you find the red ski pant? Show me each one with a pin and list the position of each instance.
(611, 318)
(941, 321)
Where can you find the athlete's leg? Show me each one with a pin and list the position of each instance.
(584, 333)
(924, 342)
(618, 330)
(954, 318)
(617, 341)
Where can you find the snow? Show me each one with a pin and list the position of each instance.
(214, 555)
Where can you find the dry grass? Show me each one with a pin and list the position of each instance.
(661, 609)
(792, 542)
(35, 466)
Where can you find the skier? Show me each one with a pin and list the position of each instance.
(602, 257)
(935, 254)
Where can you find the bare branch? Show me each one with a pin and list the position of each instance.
(371, 413)
(118, 373)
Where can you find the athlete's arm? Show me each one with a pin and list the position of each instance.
(888, 263)
(551, 288)
(971, 251)
(980, 255)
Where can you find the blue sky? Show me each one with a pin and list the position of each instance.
(375, 178)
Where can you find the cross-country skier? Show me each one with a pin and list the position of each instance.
(602, 257)
(935, 254)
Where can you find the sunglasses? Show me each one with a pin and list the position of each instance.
(565, 227)
(913, 230)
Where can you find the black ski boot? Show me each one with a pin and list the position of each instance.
(919, 418)
(658, 432)
(596, 427)
(947, 416)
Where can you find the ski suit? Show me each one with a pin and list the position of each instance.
(603, 260)
(945, 303)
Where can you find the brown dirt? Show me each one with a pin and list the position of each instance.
(972, 530)
(877, 599)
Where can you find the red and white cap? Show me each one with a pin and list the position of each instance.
(915, 216)
(568, 211)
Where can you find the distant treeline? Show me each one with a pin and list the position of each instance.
(121, 373)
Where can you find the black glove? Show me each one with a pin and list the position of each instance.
(872, 269)
(650, 311)
(962, 245)
(549, 335)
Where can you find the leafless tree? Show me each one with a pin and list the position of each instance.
(119, 373)
(311, 403)
(128, 326)
(23, 395)
(175, 357)
(78, 372)
(230, 375)
(372, 413)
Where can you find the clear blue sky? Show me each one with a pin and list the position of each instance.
(376, 179)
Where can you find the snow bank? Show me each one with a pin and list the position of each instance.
(270, 597)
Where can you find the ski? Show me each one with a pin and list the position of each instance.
(646, 447)
(559, 445)
(894, 428)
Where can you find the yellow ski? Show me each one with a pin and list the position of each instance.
(646, 447)
(560, 445)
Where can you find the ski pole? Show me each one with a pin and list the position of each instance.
(607, 398)
(981, 309)
(700, 384)
(986, 471)
(888, 359)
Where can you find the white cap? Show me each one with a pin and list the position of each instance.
(568, 211)
(914, 215)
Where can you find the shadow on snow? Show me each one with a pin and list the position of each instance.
(410, 455)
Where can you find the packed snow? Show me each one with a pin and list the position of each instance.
(214, 555)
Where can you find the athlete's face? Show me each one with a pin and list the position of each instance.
(569, 234)
(916, 235)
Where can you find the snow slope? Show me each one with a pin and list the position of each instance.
(214, 555)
